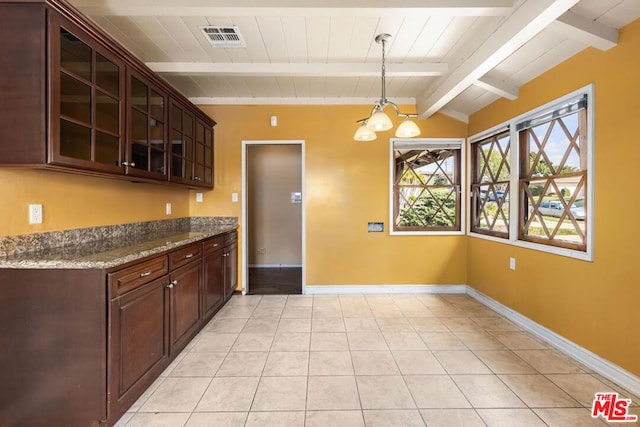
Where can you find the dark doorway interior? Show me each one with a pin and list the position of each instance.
(275, 280)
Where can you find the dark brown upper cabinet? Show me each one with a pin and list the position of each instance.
(191, 149)
(75, 100)
(147, 135)
(86, 96)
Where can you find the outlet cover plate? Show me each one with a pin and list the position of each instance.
(375, 227)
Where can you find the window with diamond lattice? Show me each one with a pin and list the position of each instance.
(490, 174)
(553, 177)
(426, 186)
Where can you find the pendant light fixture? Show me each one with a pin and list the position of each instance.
(378, 120)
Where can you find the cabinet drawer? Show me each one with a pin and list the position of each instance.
(230, 237)
(127, 279)
(184, 256)
(213, 244)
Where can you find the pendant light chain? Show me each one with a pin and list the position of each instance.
(384, 83)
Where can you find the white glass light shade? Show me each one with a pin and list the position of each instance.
(379, 122)
(364, 134)
(407, 129)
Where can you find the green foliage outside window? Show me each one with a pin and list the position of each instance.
(436, 208)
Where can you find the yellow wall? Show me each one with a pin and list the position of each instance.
(346, 186)
(594, 304)
(76, 201)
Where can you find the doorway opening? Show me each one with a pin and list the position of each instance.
(273, 217)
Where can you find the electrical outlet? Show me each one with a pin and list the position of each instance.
(234, 197)
(262, 251)
(512, 263)
(35, 214)
(199, 197)
(168, 208)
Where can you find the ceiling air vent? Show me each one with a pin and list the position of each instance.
(223, 35)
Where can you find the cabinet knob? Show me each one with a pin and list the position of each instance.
(197, 178)
(174, 282)
(170, 286)
(132, 164)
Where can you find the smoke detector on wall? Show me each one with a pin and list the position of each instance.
(223, 35)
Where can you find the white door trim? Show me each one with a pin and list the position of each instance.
(245, 223)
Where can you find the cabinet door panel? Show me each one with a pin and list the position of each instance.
(213, 285)
(75, 55)
(139, 338)
(107, 113)
(185, 304)
(107, 75)
(75, 141)
(231, 269)
(75, 99)
(107, 149)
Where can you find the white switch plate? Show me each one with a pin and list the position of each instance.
(168, 208)
(199, 197)
(512, 263)
(35, 214)
(234, 197)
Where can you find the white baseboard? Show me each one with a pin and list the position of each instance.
(384, 289)
(609, 370)
(274, 265)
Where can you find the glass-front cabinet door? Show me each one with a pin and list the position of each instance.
(86, 92)
(182, 144)
(147, 141)
(204, 154)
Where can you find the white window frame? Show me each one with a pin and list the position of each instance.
(514, 193)
(463, 185)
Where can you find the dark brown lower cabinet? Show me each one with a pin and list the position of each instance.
(184, 300)
(139, 342)
(230, 263)
(79, 347)
(213, 293)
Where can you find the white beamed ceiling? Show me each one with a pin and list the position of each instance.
(452, 56)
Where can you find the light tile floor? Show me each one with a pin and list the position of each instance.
(368, 360)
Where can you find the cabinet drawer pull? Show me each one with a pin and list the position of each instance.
(187, 256)
(215, 245)
(146, 273)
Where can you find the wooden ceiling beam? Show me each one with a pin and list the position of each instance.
(295, 7)
(531, 17)
(301, 69)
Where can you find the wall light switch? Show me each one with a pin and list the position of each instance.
(512, 263)
(35, 214)
(168, 207)
(199, 197)
(234, 197)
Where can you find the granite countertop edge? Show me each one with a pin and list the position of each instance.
(73, 257)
